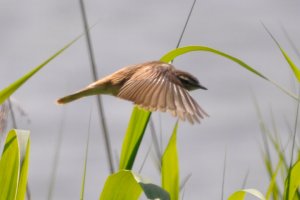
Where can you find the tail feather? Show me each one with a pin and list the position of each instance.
(77, 95)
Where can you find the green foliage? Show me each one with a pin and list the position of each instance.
(182, 50)
(133, 137)
(6, 92)
(294, 68)
(241, 194)
(125, 185)
(170, 167)
(294, 183)
(14, 165)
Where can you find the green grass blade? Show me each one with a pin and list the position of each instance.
(133, 137)
(273, 188)
(170, 167)
(125, 185)
(294, 68)
(6, 92)
(294, 181)
(241, 194)
(14, 165)
(292, 65)
(85, 159)
(182, 50)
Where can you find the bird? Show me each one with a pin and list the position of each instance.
(153, 86)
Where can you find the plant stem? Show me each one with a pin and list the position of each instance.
(293, 147)
(99, 100)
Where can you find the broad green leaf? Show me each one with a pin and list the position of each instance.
(241, 194)
(125, 185)
(6, 92)
(14, 165)
(133, 137)
(182, 50)
(24, 171)
(294, 174)
(170, 167)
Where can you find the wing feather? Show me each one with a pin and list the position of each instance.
(156, 87)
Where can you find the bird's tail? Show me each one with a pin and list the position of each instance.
(76, 95)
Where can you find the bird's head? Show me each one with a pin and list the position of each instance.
(188, 81)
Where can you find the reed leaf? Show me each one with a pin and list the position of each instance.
(9, 90)
(294, 68)
(170, 167)
(294, 181)
(241, 194)
(125, 185)
(133, 137)
(182, 50)
(14, 165)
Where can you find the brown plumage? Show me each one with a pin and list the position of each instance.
(153, 86)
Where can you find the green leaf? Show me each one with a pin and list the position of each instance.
(294, 174)
(6, 92)
(125, 185)
(294, 68)
(170, 167)
(14, 165)
(241, 194)
(133, 137)
(273, 189)
(182, 50)
(292, 65)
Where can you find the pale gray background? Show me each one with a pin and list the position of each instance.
(134, 31)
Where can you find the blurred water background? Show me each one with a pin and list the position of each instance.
(132, 31)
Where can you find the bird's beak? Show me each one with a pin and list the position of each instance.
(202, 87)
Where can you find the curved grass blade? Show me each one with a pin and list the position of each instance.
(170, 167)
(6, 92)
(241, 194)
(125, 185)
(182, 50)
(133, 137)
(14, 165)
(292, 182)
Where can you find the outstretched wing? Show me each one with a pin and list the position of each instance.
(156, 87)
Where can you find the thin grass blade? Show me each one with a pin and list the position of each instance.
(294, 68)
(8, 91)
(170, 167)
(273, 188)
(85, 159)
(133, 137)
